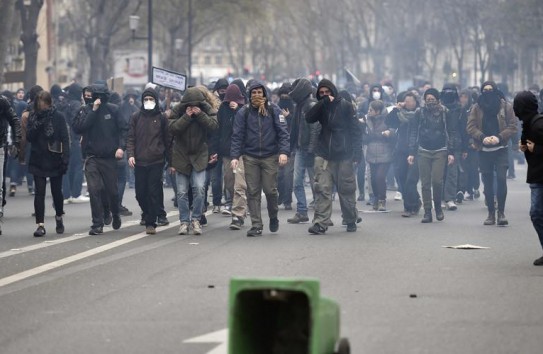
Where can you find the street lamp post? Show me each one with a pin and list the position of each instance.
(189, 73)
(133, 23)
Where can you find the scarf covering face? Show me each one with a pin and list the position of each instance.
(490, 103)
(260, 103)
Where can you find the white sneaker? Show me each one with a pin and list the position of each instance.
(398, 196)
(68, 201)
(80, 199)
(196, 227)
(450, 205)
(226, 211)
(183, 229)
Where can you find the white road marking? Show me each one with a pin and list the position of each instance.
(213, 337)
(74, 237)
(76, 257)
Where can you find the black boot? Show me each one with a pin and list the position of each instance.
(60, 224)
(427, 216)
(439, 214)
(491, 218)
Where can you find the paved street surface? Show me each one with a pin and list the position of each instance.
(126, 292)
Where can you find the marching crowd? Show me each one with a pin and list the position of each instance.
(240, 139)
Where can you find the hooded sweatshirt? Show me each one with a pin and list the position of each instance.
(303, 134)
(226, 116)
(340, 137)
(103, 130)
(148, 138)
(525, 106)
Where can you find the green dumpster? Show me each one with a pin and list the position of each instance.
(282, 316)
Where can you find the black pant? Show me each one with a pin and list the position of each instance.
(473, 181)
(494, 163)
(408, 178)
(39, 197)
(149, 191)
(101, 175)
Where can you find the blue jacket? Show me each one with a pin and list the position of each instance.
(259, 136)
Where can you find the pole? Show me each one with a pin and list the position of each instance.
(150, 41)
(189, 74)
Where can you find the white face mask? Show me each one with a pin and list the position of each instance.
(149, 105)
(376, 95)
(174, 104)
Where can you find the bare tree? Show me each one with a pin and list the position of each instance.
(8, 8)
(29, 20)
(96, 22)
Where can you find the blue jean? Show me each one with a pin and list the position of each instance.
(73, 179)
(536, 209)
(197, 180)
(300, 166)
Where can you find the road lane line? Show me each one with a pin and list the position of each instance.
(76, 257)
(48, 243)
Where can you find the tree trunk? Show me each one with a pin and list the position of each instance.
(8, 7)
(29, 37)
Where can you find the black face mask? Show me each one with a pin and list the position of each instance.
(88, 100)
(490, 100)
(221, 96)
(448, 97)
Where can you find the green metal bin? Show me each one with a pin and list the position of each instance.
(282, 316)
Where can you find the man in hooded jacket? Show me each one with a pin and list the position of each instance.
(491, 124)
(103, 142)
(261, 137)
(190, 123)
(147, 147)
(338, 149)
(525, 107)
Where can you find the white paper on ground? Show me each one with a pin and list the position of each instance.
(467, 246)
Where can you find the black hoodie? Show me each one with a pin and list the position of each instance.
(525, 106)
(340, 137)
(103, 130)
(148, 139)
(303, 135)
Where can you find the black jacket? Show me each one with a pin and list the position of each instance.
(400, 119)
(430, 132)
(226, 116)
(103, 130)
(148, 139)
(340, 137)
(44, 162)
(303, 136)
(533, 131)
(8, 117)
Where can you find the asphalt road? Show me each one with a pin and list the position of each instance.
(127, 292)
